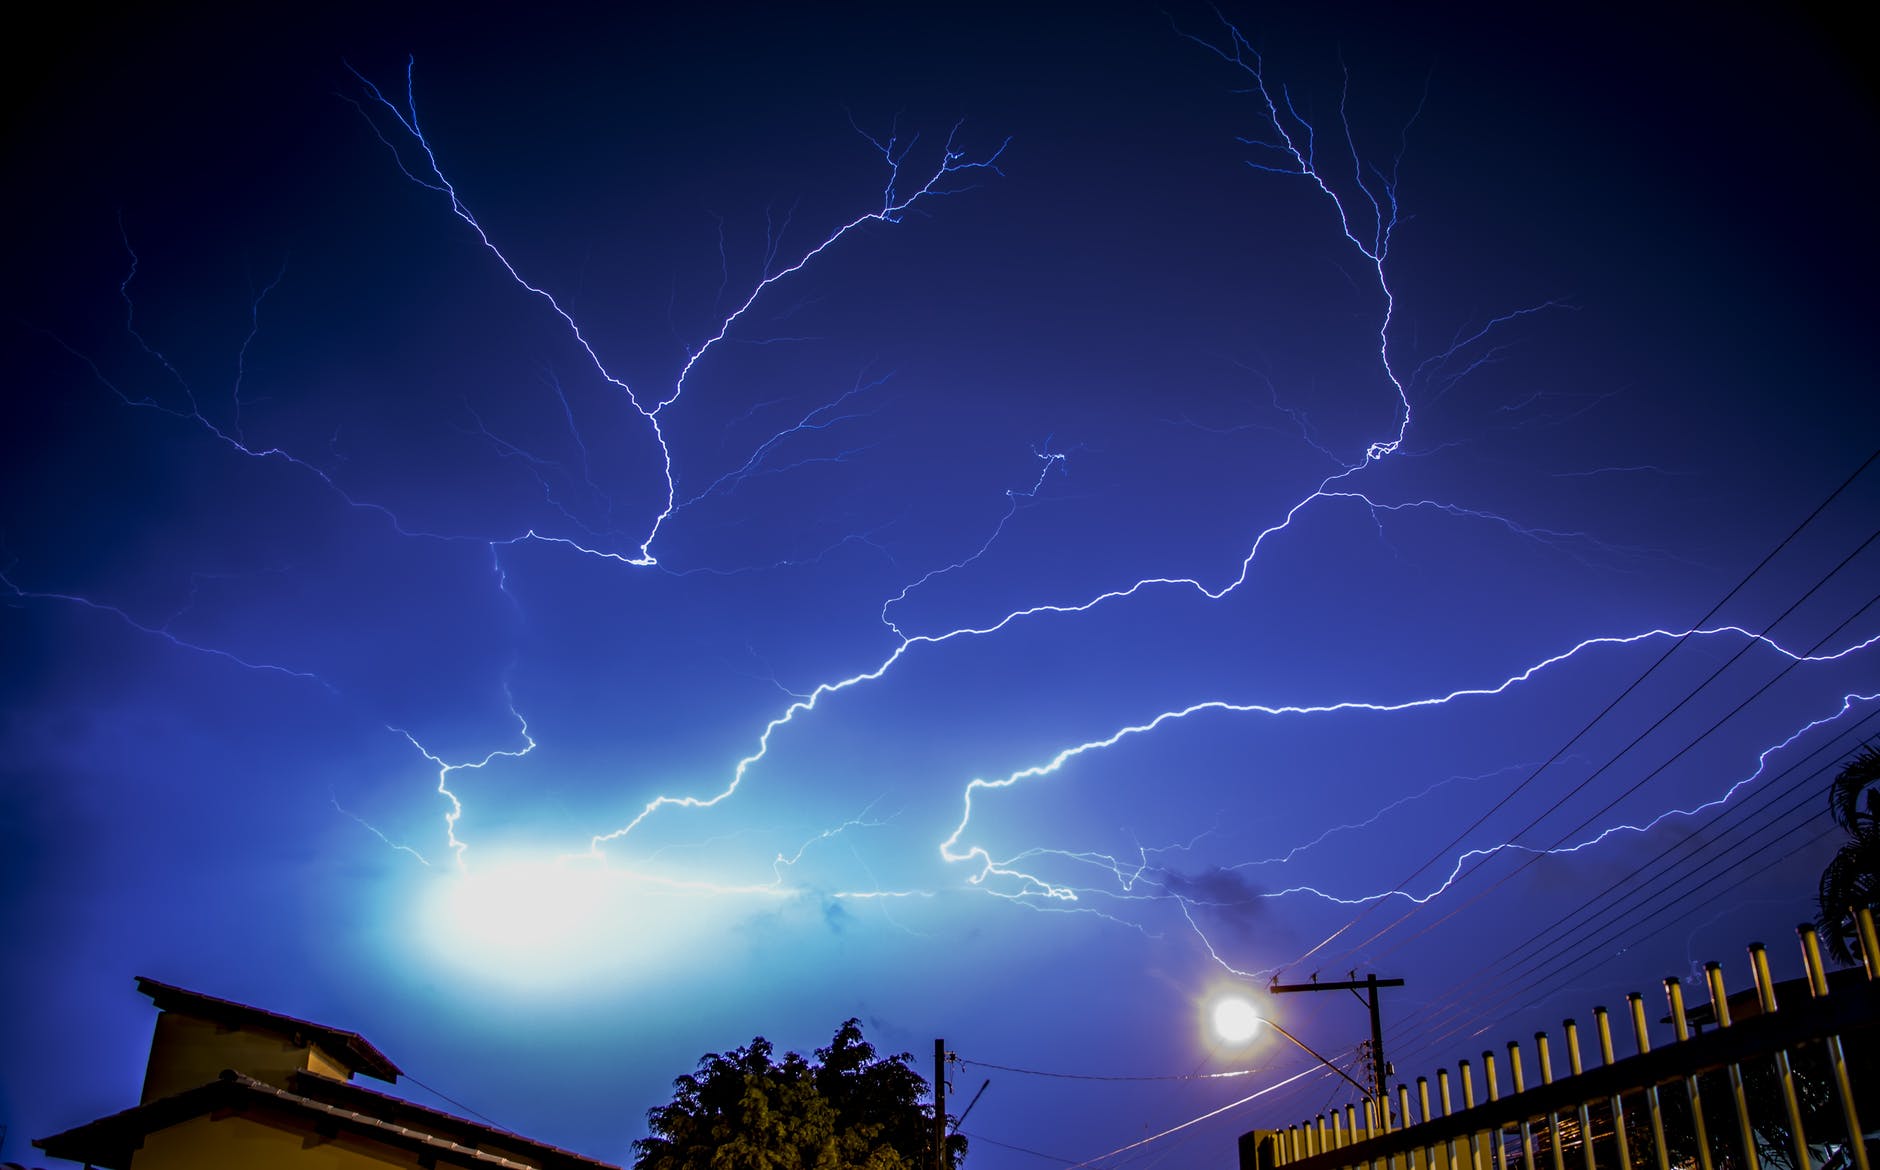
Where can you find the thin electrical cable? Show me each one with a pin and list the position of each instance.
(1640, 738)
(1596, 952)
(452, 1100)
(1577, 736)
(1547, 850)
(974, 1137)
(1515, 982)
(1558, 942)
(1802, 768)
(1212, 1113)
(1032, 1072)
(1659, 883)
(1542, 992)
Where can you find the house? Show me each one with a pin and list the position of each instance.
(231, 1085)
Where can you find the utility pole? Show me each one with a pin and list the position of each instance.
(939, 1105)
(1380, 1071)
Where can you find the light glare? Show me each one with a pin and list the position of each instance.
(1236, 1021)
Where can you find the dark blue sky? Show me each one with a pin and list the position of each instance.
(309, 502)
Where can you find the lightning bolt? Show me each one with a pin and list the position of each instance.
(398, 128)
(1286, 146)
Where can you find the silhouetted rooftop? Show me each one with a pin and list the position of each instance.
(434, 1138)
(352, 1049)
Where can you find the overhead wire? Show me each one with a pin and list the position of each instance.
(1536, 855)
(1032, 1072)
(1478, 1011)
(1676, 880)
(1560, 801)
(1473, 1007)
(1444, 851)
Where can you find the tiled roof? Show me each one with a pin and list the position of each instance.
(352, 1048)
(441, 1138)
(398, 1110)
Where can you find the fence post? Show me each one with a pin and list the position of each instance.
(1785, 1073)
(1681, 1025)
(1837, 1058)
(1603, 1027)
(1403, 1111)
(1442, 1085)
(1520, 1086)
(1572, 1037)
(1468, 1102)
(1553, 1119)
(1641, 1037)
(1720, 1004)
(1498, 1149)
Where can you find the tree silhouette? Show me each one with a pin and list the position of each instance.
(849, 1109)
(1853, 877)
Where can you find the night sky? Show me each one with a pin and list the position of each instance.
(709, 581)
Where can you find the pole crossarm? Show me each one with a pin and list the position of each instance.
(1380, 1071)
(1345, 985)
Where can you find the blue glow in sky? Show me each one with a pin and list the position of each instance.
(564, 542)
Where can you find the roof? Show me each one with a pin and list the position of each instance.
(399, 1111)
(352, 1049)
(109, 1142)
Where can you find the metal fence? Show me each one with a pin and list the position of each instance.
(1782, 1085)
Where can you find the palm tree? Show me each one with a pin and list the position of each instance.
(1853, 878)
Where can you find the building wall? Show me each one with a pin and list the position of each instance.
(187, 1052)
(243, 1142)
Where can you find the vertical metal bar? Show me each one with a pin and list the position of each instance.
(1641, 1038)
(1572, 1037)
(1498, 1150)
(1681, 1025)
(1423, 1112)
(1468, 1102)
(1442, 1086)
(1869, 944)
(1403, 1111)
(1553, 1119)
(1338, 1132)
(1603, 1026)
(1520, 1086)
(1785, 1072)
(1837, 1057)
(1720, 1004)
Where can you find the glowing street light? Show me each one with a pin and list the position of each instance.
(1236, 1021)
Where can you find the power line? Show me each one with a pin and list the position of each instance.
(1577, 736)
(1659, 888)
(1032, 1072)
(1636, 741)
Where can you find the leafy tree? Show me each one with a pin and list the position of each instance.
(1853, 876)
(848, 1109)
